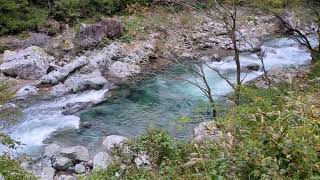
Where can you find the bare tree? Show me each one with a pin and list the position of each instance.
(302, 38)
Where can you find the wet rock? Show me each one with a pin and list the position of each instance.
(72, 108)
(54, 77)
(85, 125)
(51, 150)
(253, 67)
(47, 173)
(61, 163)
(26, 92)
(78, 153)
(79, 169)
(113, 141)
(65, 177)
(101, 161)
(142, 161)
(30, 63)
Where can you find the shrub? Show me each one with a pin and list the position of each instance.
(19, 15)
(11, 170)
(70, 10)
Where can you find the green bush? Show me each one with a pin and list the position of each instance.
(70, 10)
(19, 15)
(11, 170)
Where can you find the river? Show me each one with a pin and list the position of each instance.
(158, 101)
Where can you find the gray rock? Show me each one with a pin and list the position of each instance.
(56, 76)
(29, 63)
(90, 34)
(26, 92)
(123, 70)
(78, 153)
(61, 163)
(101, 161)
(207, 131)
(81, 82)
(65, 177)
(78, 83)
(113, 141)
(79, 168)
(51, 150)
(47, 173)
(72, 108)
(142, 161)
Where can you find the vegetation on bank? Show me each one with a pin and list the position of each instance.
(276, 136)
(10, 168)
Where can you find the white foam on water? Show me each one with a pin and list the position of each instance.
(44, 118)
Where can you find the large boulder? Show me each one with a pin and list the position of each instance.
(30, 63)
(91, 34)
(51, 150)
(78, 153)
(113, 141)
(101, 161)
(47, 173)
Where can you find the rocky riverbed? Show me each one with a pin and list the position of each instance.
(63, 80)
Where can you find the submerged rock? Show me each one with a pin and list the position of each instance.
(30, 63)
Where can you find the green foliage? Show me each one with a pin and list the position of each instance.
(70, 10)
(11, 170)
(159, 144)
(19, 15)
